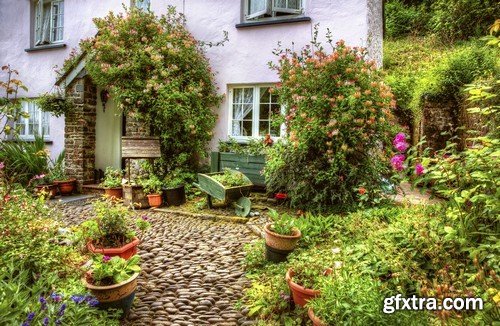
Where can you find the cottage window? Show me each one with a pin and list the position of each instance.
(49, 21)
(251, 110)
(142, 4)
(36, 124)
(272, 9)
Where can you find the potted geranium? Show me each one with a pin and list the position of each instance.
(43, 184)
(174, 191)
(110, 231)
(152, 187)
(303, 277)
(112, 183)
(281, 236)
(113, 281)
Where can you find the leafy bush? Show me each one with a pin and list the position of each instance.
(402, 19)
(462, 19)
(112, 178)
(337, 117)
(57, 104)
(157, 72)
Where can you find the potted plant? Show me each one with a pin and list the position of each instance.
(174, 193)
(281, 236)
(152, 187)
(55, 103)
(303, 276)
(65, 185)
(112, 183)
(110, 231)
(113, 281)
(43, 184)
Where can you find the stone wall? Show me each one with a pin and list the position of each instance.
(80, 131)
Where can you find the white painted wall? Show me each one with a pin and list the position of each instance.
(241, 60)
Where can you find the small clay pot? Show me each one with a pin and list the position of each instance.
(114, 193)
(66, 187)
(281, 242)
(154, 200)
(124, 252)
(301, 294)
(315, 320)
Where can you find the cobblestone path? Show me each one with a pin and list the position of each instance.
(192, 269)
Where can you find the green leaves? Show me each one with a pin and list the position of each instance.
(116, 269)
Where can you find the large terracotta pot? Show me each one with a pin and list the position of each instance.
(118, 296)
(114, 193)
(154, 200)
(315, 320)
(124, 252)
(51, 190)
(281, 242)
(301, 294)
(66, 187)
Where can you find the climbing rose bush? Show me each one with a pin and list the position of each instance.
(156, 70)
(338, 121)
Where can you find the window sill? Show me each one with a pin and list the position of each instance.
(46, 47)
(273, 22)
(28, 140)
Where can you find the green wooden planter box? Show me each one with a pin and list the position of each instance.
(250, 165)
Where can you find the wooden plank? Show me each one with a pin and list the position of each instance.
(214, 161)
(233, 157)
(141, 147)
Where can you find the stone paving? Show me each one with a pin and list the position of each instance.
(192, 269)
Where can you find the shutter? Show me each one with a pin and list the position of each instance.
(257, 8)
(287, 6)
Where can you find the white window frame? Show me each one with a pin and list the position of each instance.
(255, 113)
(25, 106)
(271, 11)
(134, 3)
(38, 16)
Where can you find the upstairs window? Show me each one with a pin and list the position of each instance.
(251, 111)
(272, 9)
(36, 124)
(49, 21)
(142, 4)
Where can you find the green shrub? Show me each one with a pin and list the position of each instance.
(402, 19)
(337, 117)
(462, 19)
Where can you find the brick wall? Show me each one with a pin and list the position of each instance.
(80, 131)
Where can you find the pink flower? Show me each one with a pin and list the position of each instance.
(39, 176)
(106, 259)
(400, 137)
(145, 217)
(399, 142)
(419, 169)
(397, 162)
(401, 146)
(2, 165)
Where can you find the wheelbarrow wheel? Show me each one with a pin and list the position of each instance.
(243, 206)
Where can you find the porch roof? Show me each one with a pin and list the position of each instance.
(76, 71)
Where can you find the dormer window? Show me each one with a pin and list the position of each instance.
(272, 9)
(49, 21)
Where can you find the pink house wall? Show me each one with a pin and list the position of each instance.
(242, 60)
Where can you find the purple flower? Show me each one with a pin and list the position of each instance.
(106, 259)
(39, 176)
(56, 297)
(58, 321)
(61, 310)
(401, 146)
(419, 169)
(30, 317)
(397, 162)
(93, 302)
(45, 321)
(2, 165)
(145, 217)
(77, 298)
(25, 324)
(43, 302)
(399, 138)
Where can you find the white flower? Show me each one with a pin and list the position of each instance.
(336, 250)
(337, 264)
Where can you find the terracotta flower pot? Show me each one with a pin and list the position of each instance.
(51, 190)
(281, 242)
(124, 252)
(154, 200)
(118, 296)
(114, 193)
(66, 187)
(315, 320)
(299, 293)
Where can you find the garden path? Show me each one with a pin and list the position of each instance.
(192, 269)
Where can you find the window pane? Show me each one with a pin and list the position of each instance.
(264, 112)
(293, 4)
(236, 128)
(256, 6)
(280, 3)
(247, 128)
(274, 131)
(45, 124)
(263, 127)
(265, 96)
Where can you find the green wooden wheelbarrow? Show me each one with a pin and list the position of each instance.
(235, 195)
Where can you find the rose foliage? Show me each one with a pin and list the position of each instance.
(157, 72)
(338, 122)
